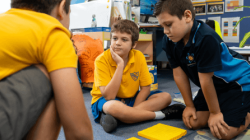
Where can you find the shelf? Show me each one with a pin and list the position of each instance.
(148, 60)
(142, 37)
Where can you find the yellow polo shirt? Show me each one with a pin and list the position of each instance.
(28, 37)
(134, 75)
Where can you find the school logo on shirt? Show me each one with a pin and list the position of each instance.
(190, 58)
(134, 75)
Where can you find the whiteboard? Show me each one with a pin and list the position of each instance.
(81, 15)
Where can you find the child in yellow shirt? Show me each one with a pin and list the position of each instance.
(39, 90)
(119, 72)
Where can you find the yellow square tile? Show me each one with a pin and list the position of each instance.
(162, 132)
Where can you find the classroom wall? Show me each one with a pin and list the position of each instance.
(244, 24)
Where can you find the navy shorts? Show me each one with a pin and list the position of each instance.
(97, 106)
(23, 96)
(234, 104)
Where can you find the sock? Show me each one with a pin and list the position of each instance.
(159, 115)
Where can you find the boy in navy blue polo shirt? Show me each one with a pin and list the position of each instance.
(196, 52)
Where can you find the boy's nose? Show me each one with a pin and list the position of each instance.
(118, 42)
(166, 31)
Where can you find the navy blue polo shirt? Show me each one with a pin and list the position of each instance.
(206, 52)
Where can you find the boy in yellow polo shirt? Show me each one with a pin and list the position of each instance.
(39, 90)
(119, 72)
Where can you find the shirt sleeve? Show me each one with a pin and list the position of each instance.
(169, 52)
(209, 55)
(102, 75)
(57, 51)
(145, 78)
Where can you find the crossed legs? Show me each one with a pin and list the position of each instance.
(142, 112)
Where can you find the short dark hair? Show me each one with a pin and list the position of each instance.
(42, 6)
(174, 7)
(126, 26)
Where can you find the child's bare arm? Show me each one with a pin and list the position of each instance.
(216, 120)
(183, 84)
(110, 91)
(142, 95)
(70, 104)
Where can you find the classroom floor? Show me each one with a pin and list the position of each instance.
(124, 131)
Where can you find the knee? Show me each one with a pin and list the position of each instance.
(43, 69)
(166, 97)
(196, 124)
(112, 107)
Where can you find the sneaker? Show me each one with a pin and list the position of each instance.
(174, 111)
(108, 122)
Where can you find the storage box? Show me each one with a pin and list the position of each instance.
(92, 29)
(153, 73)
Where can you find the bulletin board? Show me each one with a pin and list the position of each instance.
(244, 24)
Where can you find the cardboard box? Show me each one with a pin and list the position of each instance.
(153, 73)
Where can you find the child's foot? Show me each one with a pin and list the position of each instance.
(108, 122)
(174, 111)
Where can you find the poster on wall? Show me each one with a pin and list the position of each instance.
(231, 4)
(90, 14)
(230, 34)
(215, 8)
(200, 9)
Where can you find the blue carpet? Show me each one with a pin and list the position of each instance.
(124, 131)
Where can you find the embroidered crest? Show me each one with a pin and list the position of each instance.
(134, 75)
(190, 57)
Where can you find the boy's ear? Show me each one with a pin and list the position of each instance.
(61, 11)
(188, 16)
(134, 45)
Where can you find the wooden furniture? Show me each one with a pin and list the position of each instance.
(145, 43)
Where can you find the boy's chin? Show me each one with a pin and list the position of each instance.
(175, 40)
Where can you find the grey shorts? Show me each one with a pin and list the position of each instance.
(23, 96)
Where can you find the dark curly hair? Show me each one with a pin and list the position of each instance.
(42, 6)
(126, 26)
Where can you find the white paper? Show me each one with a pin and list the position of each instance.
(231, 4)
(90, 14)
(228, 32)
(135, 11)
(215, 18)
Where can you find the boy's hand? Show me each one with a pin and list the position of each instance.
(187, 114)
(116, 57)
(216, 124)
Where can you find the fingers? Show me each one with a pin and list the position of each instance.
(225, 125)
(221, 129)
(218, 129)
(186, 121)
(194, 115)
(212, 131)
(216, 132)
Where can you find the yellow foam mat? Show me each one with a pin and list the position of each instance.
(162, 132)
(133, 138)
